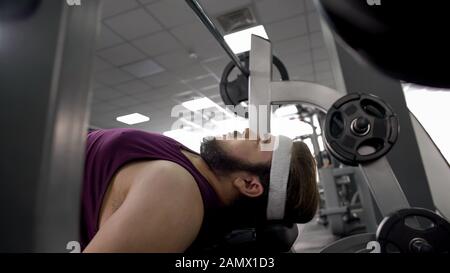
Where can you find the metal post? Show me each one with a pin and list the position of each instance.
(45, 72)
(197, 8)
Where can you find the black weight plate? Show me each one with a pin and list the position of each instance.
(341, 140)
(395, 235)
(236, 91)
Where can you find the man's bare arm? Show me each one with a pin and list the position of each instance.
(162, 212)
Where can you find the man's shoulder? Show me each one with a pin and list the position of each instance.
(169, 176)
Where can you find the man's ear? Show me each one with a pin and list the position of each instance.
(248, 185)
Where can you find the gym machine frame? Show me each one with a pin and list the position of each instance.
(380, 178)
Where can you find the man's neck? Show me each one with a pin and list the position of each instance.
(210, 176)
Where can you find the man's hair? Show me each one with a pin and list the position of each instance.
(303, 195)
(302, 191)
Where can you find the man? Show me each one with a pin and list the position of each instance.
(145, 192)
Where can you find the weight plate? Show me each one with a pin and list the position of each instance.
(360, 128)
(236, 91)
(414, 230)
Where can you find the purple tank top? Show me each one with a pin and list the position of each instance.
(109, 150)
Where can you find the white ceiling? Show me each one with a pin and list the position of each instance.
(144, 54)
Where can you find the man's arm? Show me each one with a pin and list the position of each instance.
(163, 212)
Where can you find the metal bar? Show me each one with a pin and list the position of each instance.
(384, 186)
(197, 8)
(259, 86)
(291, 92)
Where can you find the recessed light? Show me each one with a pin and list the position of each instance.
(240, 41)
(134, 118)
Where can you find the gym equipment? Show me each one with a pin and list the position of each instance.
(347, 207)
(277, 237)
(396, 235)
(271, 238)
(236, 91)
(376, 171)
(203, 17)
(50, 52)
(405, 49)
(393, 234)
(358, 123)
(352, 244)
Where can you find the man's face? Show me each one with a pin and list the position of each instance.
(234, 151)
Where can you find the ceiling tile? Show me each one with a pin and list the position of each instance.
(133, 24)
(120, 55)
(208, 50)
(314, 22)
(191, 72)
(171, 90)
(100, 108)
(125, 101)
(157, 43)
(302, 70)
(287, 28)
(106, 93)
(294, 59)
(107, 38)
(113, 76)
(172, 12)
(310, 6)
(324, 76)
(271, 11)
(165, 93)
(143, 68)
(217, 66)
(192, 34)
(203, 82)
(100, 65)
(175, 59)
(308, 78)
(210, 90)
(133, 87)
(317, 39)
(322, 66)
(147, 1)
(160, 79)
(292, 45)
(112, 7)
(320, 53)
(218, 7)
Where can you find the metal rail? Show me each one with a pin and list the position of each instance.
(197, 8)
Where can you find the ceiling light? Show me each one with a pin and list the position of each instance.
(240, 41)
(198, 104)
(133, 118)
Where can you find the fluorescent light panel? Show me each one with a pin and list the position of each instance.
(240, 41)
(134, 118)
(198, 104)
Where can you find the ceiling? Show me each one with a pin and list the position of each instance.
(152, 54)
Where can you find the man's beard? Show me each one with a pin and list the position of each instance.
(218, 159)
(244, 211)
